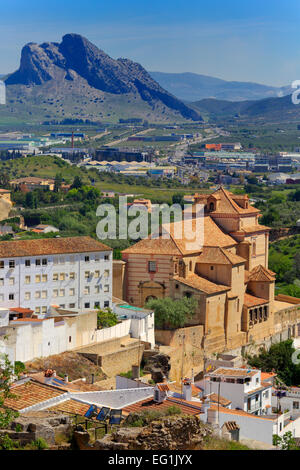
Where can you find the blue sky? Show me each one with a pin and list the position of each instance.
(248, 40)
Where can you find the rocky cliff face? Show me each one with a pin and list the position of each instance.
(76, 58)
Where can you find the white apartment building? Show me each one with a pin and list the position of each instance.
(67, 272)
(242, 386)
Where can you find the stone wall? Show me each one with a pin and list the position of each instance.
(185, 348)
(174, 433)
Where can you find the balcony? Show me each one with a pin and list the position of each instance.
(254, 407)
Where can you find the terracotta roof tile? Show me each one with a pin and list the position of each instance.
(163, 387)
(30, 393)
(213, 236)
(50, 246)
(252, 301)
(261, 274)
(217, 255)
(240, 413)
(202, 284)
(189, 408)
(230, 372)
(215, 398)
(71, 406)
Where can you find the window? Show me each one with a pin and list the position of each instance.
(27, 279)
(72, 292)
(2, 281)
(11, 296)
(38, 310)
(55, 276)
(87, 274)
(27, 263)
(27, 296)
(72, 275)
(97, 274)
(11, 281)
(44, 262)
(37, 294)
(152, 266)
(71, 305)
(254, 247)
(72, 259)
(295, 405)
(106, 273)
(55, 260)
(37, 278)
(44, 278)
(106, 257)
(1, 264)
(44, 294)
(55, 292)
(86, 259)
(106, 303)
(12, 264)
(62, 276)
(106, 288)
(87, 305)
(191, 266)
(62, 260)
(212, 268)
(44, 309)
(97, 259)
(61, 292)
(86, 290)
(97, 289)
(38, 262)
(70, 339)
(97, 305)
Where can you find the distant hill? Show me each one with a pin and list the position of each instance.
(270, 109)
(195, 87)
(76, 79)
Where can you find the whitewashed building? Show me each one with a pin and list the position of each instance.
(67, 272)
(242, 386)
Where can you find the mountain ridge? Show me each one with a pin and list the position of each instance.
(75, 65)
(192, 87)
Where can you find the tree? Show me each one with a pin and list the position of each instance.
(278, 358)
(286, 442)
(7, 372)
(57, 182)
(77, 183)
(106, 318)
(171, 313)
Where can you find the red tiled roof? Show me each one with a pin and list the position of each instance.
(217, 255)
(202, 284)
(50, 246)
(189, 408)
(252, 301)
(261, 274)
(30, 393)
(163, 387)
(213, 236)
(20, 310)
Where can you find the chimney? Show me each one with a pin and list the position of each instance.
(187, 389)
(66, 378)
